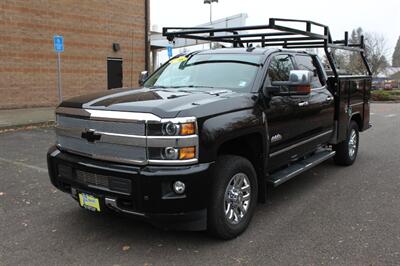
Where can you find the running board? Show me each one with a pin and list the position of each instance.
(299, 167)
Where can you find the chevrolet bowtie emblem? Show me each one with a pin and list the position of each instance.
(91, 136)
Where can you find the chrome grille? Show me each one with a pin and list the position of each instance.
(99, 150)
(119, 136)
(119, 141)
(128, 128)
(112, 183)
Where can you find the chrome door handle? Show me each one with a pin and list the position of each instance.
(302, 104)
(329, 98)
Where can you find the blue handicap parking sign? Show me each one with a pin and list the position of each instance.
(58, 43)
(169, 49)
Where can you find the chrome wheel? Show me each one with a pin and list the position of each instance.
(237, 198)
(352, 143)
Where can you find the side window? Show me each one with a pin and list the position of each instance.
(306, 62)
(280, 67)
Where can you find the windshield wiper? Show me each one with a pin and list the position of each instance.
(159, 87)
(191, 86)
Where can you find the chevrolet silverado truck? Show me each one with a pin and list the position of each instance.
(196, 146)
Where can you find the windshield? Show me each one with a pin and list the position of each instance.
(228, 71)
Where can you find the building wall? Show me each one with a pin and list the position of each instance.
(28, 66)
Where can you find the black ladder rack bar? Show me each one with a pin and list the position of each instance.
(273, 34)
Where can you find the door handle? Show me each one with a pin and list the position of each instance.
(302, 104)
(329, 98)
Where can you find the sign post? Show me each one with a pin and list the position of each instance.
(59, 48)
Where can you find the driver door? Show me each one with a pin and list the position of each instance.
(287, 116)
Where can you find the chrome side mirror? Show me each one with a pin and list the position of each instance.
(299, 83)
(300, 77)
(143, 77)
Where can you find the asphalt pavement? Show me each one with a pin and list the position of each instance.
(330, 215)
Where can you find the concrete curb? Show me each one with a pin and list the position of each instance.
(26, 126)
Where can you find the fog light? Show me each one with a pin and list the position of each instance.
(179, 187)
(170, 153)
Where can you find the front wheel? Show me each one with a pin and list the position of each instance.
(346, 151)
(233, 198)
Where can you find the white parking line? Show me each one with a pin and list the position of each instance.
(37, 168)
(391, 115)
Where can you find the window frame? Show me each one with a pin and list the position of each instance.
(317, 65)
(267, 81)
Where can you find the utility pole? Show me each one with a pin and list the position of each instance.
(210, 3)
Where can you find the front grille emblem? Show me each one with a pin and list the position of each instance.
(91, 136)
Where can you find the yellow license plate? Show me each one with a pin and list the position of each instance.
(89, 202)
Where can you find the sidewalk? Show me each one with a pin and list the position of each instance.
(16, 118)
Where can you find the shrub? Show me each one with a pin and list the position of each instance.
(393, 95)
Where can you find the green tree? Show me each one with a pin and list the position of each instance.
(396, 55)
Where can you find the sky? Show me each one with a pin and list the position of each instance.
(382, 17)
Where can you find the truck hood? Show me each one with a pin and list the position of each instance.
(165, 103)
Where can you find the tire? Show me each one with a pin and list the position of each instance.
(229, 221)
(346, 151)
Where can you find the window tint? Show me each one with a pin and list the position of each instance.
(229, 71)
(280, 67)
(306, 62)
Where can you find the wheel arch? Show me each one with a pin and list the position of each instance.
(356, 117)
(253, 147)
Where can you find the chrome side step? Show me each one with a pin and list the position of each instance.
(299, 167)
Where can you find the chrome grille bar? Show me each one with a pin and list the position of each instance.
(120, 136)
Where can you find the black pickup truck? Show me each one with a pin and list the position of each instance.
(197, 145)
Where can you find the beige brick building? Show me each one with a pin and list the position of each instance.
(92, 32)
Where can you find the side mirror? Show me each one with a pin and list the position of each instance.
(299, 84)
(142, 77)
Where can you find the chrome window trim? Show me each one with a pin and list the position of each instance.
(300, 143)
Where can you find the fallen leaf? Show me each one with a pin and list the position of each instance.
(126, 248)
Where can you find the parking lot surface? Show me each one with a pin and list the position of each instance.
(330, 215)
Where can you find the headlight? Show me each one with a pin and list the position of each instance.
(170, 129)
(175, 129)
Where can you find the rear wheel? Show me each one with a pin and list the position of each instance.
(234, 196)
(346, 151)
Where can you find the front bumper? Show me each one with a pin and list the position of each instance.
(144, 192)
